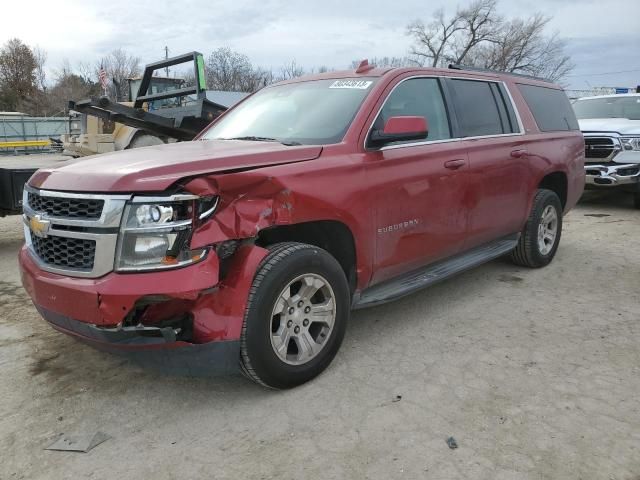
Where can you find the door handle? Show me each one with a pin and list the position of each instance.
(519, 153)
(454, 164)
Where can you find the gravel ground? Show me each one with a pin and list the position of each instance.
(536, 373)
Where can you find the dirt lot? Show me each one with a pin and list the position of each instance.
(535, 373)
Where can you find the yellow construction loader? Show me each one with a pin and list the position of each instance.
(160, 110)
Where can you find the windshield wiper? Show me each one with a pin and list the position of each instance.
(252, 139)
(263, 139)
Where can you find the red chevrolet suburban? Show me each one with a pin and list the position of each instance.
(248, 247)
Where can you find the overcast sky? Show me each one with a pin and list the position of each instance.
(603, 35)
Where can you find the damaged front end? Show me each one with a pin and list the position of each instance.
(177, 286)
(178, 321)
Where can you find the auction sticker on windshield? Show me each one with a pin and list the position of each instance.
(358, 84)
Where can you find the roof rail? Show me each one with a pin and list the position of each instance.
(455, 66)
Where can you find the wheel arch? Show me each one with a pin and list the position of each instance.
(331, 235)
(557, 182)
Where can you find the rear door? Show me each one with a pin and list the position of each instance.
(498, 167)
(419, 185)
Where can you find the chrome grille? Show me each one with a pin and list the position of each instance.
(598, 148)
(66, 207)
(76, 233)
(75, 253)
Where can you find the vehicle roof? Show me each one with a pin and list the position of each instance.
(381, 72)
(612, 95)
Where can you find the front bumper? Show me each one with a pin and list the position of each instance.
(136, 314)
(156, 353)
(612, 175)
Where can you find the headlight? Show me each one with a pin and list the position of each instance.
(630, 143)
(156, 232)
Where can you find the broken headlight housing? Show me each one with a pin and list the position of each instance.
(156, 232)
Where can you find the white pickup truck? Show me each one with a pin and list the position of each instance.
(611, 128)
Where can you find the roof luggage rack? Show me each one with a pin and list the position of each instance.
(455, 66)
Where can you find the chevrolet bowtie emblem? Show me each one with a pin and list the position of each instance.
(39, 227)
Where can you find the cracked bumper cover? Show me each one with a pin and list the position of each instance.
(612, 175)
(181, 358)
(92, 311)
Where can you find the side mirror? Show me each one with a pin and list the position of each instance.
(400, 129)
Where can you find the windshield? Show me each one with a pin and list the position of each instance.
(609, 107)
(316, 112)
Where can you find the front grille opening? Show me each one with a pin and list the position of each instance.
(598, 147)
(81, 208)
(64, 252)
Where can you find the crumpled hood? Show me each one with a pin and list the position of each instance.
(158, 167)
(623, 126)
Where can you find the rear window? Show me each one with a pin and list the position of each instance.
(550, 107)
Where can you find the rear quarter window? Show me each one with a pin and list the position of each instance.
(550, 108)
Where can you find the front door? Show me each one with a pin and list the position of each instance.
(420, 209)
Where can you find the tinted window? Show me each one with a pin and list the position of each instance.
(477, 109)
(418, 97)
(550, 107)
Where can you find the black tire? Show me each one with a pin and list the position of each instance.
(528, 252)
(636, 200)
(284, 263)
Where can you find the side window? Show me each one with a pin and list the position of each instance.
(478, 109)
(550, 107)
(418, 97)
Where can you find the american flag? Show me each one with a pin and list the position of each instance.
(102, 74)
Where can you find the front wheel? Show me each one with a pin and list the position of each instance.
(296, 316)
(636, 200)
(541, 235)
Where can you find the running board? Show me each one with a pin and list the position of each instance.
(418, 279)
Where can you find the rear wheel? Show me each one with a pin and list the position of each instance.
(296, 316)
(541, 235)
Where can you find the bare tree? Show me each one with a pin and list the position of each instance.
(256, 79)
(480, 24)
(451, 39)
(478, 36)
(291, 70)
(86, 72)
(119, 66)
(40, 57)
(70, 86)
(230, 70)
(387, 62)
(523, 47)
(432, 41)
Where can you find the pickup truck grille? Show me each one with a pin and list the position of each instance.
(64, 252)
(599, 148)
(80, 208)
